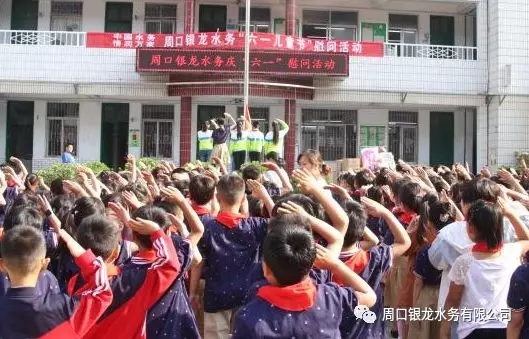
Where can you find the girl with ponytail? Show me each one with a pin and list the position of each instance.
(435, 214)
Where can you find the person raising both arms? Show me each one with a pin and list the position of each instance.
(239, 144)
(220, 136)
(255, 142)
(275, 138)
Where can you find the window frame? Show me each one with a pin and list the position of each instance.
(329, 27)
(160, 19)
(148, 110)
(319, 124)
(255, 25)
(401, 125)
(76, 19)
(62, 119)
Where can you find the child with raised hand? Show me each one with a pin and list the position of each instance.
(142, 281)
(436, 214)
(28, 314)
(311, 186)
(370, 264)
(230, 247)
(480, 278)
(291, 305)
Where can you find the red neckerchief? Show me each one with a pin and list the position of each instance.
(296, 298)
(403, 217)
(357, 262)
(200, 209)
(228, 219)
(148, 255)
(482, 247)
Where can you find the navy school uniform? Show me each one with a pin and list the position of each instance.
(46, 283)
(230, 248)
(66, 268)
(297, 311)
(172, 316)
(371, 266)
(425, 270)
(26, 313)
(518, 296)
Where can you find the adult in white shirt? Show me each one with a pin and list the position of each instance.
(312, 162)
(479, 279)
(453, 240)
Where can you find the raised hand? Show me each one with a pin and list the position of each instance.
(372, 207)
(141, 226)
(172, 194)
(290, 207)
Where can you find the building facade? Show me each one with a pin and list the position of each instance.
(434, 81)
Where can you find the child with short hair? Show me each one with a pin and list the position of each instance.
(230, 247)
(27, 314)
(292, 305)
(370, 264)
(144, 280)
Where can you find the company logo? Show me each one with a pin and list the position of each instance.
(363, 312)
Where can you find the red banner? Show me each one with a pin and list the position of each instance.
(231, 40)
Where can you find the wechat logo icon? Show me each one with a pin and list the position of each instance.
(363, 312)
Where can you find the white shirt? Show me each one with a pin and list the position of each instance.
(486, 287)
(453, 241)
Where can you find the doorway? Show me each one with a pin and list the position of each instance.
(25, 15)
(114, 134)
(118, 17)
(442, 30)
(19, 131)
(442, 138)
(212, 18)
(206, 113)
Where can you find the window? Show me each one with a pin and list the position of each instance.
(62, 124)
(160, 19)
(66, 16)
(403, 135)
(259, 19)
(403, 30)
(157, 131)
(333, 25)
(260, 114)
(118, 17)
(332, 132)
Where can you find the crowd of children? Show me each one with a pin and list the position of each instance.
(412, 252)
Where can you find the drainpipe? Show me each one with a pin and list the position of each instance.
(488, 100)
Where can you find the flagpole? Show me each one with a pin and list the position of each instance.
(247, 59)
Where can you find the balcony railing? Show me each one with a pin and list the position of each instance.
(42, 38)
(78, 39)
(430, 51)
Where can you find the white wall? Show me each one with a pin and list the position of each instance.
(135, 123)
(44, 19)
(89, 132)
(3, 127)
(5, 14)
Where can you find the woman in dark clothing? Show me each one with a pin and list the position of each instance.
(220, 136)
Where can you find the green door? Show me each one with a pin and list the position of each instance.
(118, 17)
(441, 138)
(442, 30)
(24, 15)
(19, 131)
(212, 18)
(114, 134)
